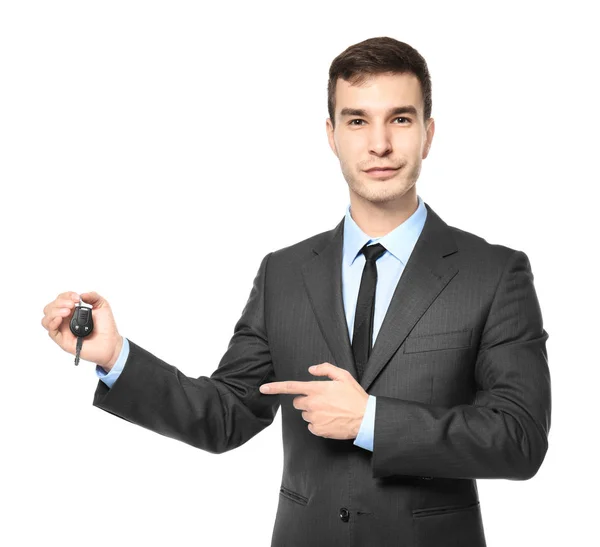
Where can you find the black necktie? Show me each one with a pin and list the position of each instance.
(362, 339)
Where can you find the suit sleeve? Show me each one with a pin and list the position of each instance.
(504, 432)
(216, 413)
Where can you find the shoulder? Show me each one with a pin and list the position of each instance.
(469, 250)
(478, 254)
(474, 244)
(305, 249)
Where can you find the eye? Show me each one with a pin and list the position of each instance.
(351, 122)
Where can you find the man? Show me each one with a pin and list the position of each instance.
(431, 367)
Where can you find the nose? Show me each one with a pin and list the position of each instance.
(380, 143)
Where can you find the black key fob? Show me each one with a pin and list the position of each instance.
(81, 323)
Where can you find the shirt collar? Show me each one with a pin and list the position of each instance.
(399, 242)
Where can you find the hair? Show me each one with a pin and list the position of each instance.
(377, 56)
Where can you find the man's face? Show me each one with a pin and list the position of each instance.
(380, 137)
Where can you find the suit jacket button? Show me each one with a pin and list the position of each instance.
(344, 514)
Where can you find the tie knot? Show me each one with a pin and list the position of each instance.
(373, 252)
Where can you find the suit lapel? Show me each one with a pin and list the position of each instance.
(323, 281)
(424, 277)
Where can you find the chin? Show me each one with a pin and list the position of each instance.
(382, 196)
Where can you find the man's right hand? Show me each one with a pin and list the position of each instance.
(102, 346)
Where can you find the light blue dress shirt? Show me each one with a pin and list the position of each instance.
(399, 244)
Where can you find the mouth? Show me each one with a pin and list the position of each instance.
(382, 173)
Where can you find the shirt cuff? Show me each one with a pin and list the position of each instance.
(110, 377)
(364, 439)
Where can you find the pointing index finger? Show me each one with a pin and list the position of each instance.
(289, 387)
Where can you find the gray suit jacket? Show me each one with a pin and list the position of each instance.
(459, 368)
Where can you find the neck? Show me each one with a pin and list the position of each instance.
(378, 219)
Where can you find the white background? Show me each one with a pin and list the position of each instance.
(152, 149)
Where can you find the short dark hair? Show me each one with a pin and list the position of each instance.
(377, 56)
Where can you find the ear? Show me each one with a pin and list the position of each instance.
(330, 138)
(430, 131)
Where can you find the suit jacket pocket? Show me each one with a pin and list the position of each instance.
(449, 525)
(294, 496)
(440, 340)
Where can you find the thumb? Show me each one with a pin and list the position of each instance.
(93, 298)
(327, 369)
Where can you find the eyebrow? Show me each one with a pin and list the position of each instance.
(410, 109)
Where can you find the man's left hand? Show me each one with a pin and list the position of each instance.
(335, 409)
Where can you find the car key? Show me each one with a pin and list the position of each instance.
(81, 325)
